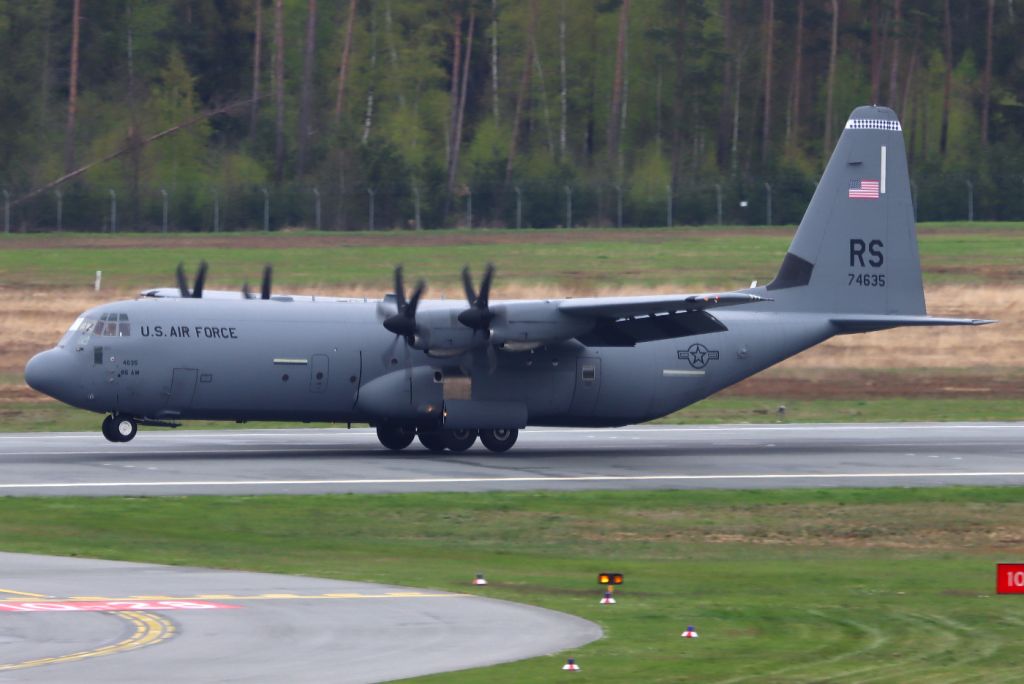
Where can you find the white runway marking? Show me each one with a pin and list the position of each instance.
(498, 480)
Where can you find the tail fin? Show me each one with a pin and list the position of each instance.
(856, 248)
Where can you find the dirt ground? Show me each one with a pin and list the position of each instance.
(927, 362)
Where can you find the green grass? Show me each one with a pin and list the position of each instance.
(48, 415)
(887, 585)
(706, 256)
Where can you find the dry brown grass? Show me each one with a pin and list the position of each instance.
(31, 321)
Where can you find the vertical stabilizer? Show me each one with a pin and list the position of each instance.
(856, 248)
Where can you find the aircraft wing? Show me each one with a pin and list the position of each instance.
(626, 321)
(620, 307)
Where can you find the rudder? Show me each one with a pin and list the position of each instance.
(856, 248)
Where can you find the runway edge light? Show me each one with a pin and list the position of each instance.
(690, 633)
(571, 665)
(479, 580)
(609, 578)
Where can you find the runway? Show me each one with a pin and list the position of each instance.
(77, 620)
(307, 461)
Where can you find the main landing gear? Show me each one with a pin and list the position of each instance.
(119, 428)
(398, 437)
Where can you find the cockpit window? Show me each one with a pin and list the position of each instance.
(107, 325)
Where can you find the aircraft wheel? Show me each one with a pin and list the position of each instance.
(499, 440)
(108, 429)
(459, 440)
(395, 437)
(434, 441)
(125, 428)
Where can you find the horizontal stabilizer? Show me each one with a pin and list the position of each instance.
(854, 323)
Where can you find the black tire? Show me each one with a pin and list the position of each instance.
(433, 441)
(395, 437)
(499, 440)
(125, 428)
(108, 430)
(459, 440)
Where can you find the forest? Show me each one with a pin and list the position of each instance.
(385, 114)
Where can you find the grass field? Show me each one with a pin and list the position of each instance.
(881, 585)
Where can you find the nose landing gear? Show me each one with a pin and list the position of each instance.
(119, 428)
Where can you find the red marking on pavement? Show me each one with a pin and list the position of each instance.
(75, 606)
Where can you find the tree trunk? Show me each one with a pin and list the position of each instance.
(833, 47)
(678, 99)
(793, 120)
(346, 51)
(69, 129)
(947, 40)
(388, 33)
(495, 111)
(728, 65)
(306, 98)
(279, 89)
(894, 62)
(371, 91)
(615, 115)
(986, 84)
(524, 90)
(544, 100)
(769, 41)
(563, 93)
(453, 168)
(454, 94)
(876, 52)
(257, 55)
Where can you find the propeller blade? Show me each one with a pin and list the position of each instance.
(197, 291)
(179, 273)
(268, 273)
(399, 289)
(485, 287)
(415, 301)
(467, 285)
(245, 290)
(492, 359)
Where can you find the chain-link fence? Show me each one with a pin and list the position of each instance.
(749, 201)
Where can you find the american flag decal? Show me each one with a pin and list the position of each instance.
(863, 189)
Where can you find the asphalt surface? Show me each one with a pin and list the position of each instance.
(265, 628)
(310, 461)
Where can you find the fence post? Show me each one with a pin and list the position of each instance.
(913, 196)
(60, 210)
(216, 211)
(7, 211)
(718, 200)
(668, 200)
(970, 200)
(568, 206)
(113, 211)
(768, 207)
(266, 210)
(316, 195)
(370, 192)
(469, 207)
(163, 195)
(416, 206)
(519, 207)
(618, 206)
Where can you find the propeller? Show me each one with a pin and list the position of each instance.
(268, 273)
(403, 322)
(197, 289)
(479, 315)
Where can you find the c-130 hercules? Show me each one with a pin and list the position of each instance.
(447, 373)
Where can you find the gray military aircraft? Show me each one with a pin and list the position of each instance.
(448, 372)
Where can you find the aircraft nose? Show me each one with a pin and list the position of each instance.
(47, 371)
